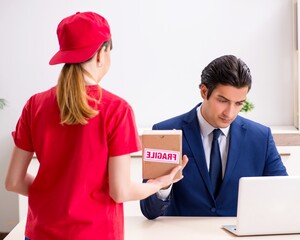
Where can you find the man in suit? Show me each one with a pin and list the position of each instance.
(245, 148)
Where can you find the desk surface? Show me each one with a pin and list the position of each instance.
(175, 228)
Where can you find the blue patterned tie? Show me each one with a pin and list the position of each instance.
(215, 167)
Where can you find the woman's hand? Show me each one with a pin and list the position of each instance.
(122, 188)
(166, 180)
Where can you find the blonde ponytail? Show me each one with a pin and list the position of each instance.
(71, 96)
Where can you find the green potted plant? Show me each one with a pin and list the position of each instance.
(248, 106)
(2, 103)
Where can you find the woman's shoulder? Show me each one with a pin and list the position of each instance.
(109, 98)
(42, 96)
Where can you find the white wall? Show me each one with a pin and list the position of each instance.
(160, 49)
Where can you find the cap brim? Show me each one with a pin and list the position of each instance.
(74, 56)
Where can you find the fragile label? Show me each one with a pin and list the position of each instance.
(158, 155)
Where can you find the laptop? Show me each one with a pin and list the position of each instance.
(267, 205)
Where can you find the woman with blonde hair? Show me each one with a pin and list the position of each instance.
(82, 136)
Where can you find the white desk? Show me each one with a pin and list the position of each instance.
(175, 228)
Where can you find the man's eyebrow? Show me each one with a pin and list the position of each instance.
(220, 96)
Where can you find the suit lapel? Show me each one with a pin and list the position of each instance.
(194, 140)
(236, 141)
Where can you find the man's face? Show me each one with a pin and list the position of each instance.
(223, 105)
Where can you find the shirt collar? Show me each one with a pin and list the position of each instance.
(206, 128)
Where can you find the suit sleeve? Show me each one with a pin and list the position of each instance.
(274, 165)
(153, 207)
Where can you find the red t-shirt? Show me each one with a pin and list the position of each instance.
(69, 198)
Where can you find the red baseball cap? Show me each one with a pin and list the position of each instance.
(80, 36)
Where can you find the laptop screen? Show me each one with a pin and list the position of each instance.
(268, 205)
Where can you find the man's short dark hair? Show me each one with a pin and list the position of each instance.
(226, 70)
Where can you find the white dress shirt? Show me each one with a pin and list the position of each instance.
(207, 136)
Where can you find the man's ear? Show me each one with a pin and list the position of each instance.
(203, 91)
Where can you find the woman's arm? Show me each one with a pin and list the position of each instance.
(123, 189)
(17, 179)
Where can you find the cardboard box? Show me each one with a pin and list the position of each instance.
(161, 152)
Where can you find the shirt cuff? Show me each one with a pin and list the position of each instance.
(164, 194)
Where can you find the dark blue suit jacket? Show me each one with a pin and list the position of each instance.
(252, 152)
